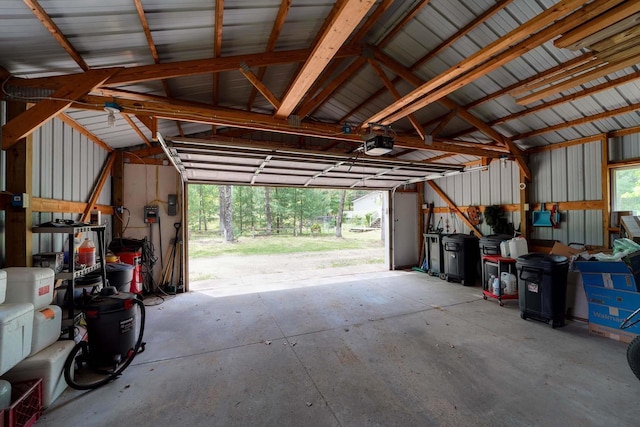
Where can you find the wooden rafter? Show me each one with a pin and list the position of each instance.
(444, 122)
(75, 125)
(398, 109)
(309, 104)
(136, 129)
(156, 59)
(48, 23)
(578, 80)
(151, 123)
(336, 82)
(391, 88)
(568, 98)
(283, 11)
(462, 112)
(587, 33)
(584, 120)
(424, 59)
(405, 20)
(142, 73)
(478, 20)
(348, 17)
(36, 116)
(257, 84)
(563, 75)
(205, 113)
(587, 56)
(217, 48)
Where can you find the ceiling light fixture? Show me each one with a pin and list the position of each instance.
(111, 108)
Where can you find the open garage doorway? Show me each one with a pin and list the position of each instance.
(244, 239)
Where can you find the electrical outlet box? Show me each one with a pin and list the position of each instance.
(20, 200)
(172, 209)
(151, 214)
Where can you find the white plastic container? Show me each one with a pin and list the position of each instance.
(3, 285)
(509, 282)
(47, 364)
(5, 394)
(504, 248)
(47, 323)
(16, 326)
(518, 247)
(30, 285)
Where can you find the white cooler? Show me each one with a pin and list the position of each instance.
(3, 285)
(16, 327)
(47, 364)
(47, 323)
(30, 284)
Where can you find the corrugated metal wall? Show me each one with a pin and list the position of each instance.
(496, 186)
(66, 166)
(568, 174)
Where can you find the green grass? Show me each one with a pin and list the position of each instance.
(207, 246)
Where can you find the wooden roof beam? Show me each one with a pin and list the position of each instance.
(581, 15)
(391, 88)
(57, 34)
(590, 32)
(534, 25)
(36, 116)
(349, 15)
(578, 80)
(75, 125)
(462, 112)
(454, 208)
(581, 121)
(459, 34)
(283, 11)
(261, 87)
(497, 7)
(405, 20)
(588, 56)
(97, 190)
(309, 104)
(348, 73)
(136, 129)
(217, 48)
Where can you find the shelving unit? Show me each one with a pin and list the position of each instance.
(71, 274)
(500, 264)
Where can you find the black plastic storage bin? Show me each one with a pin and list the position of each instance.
(542, 287)
(490, 245)
(435, 258)
(461, 258)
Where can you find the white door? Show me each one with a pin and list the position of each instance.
(405, 230)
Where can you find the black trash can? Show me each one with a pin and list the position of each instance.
(435, 258)
(120, 275)
(490, 245)
(542, 287)
(462, 259)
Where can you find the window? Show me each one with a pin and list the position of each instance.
(626, 189)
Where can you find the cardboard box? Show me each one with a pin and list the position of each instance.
(615, 334)
(611, 317)
(564, 250)
(631, 227)
(612, 274)
(615, 298)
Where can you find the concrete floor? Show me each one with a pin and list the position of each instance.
(383, 349)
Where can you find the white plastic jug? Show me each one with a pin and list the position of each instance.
(496, 286)
(518, 247)
(504, 248)
(509, 282)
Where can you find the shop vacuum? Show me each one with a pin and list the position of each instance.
(112, 340)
